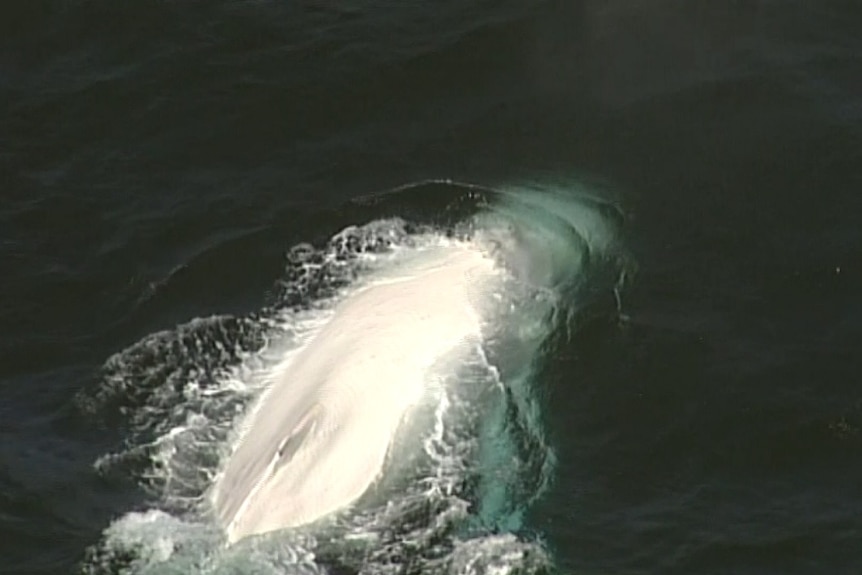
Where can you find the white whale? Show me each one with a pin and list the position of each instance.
(319, 436)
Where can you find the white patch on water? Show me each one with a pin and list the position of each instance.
(466, 462)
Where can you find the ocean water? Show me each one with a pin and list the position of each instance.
(176, 179)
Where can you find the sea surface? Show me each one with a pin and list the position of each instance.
(160, 160)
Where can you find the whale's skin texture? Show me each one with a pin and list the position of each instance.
(319, 436)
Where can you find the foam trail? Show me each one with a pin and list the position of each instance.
(320, 435)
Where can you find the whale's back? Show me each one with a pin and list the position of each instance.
(319, 436)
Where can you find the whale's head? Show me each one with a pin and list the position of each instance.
(547, 239)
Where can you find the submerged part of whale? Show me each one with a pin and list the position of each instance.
(318, 437)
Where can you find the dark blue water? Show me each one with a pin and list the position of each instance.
(157, 160)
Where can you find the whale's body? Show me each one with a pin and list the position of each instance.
(319, 436)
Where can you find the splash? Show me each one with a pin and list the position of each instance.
(462, 465)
